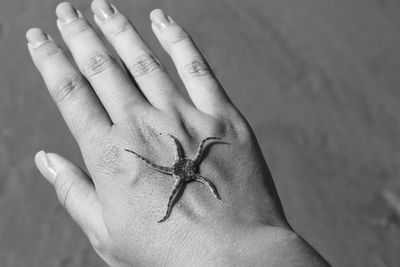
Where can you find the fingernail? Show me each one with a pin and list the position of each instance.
(102, 9)
(66, 13)
(36, 37)
(159, 18)
(45, 166)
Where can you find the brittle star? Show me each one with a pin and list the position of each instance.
(183, 170)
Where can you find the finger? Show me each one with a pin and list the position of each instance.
(75, 192)
(77, 102)
(145, 68)
(201, 84)
(110, 82)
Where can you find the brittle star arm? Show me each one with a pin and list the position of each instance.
(178, 148)
(208, 183)
(162, 169)
(176, 191)
(201, 147)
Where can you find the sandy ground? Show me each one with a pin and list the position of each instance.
(317, 79)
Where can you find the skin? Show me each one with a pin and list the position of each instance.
(118, 203)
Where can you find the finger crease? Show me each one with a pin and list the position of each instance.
(97, 64)
(66, 86)
(198, 68)
(144, 65)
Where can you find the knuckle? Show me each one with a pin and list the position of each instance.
(67, 86)
(176, 34)
(75, 28)
(89, 129)
(239, 128)
(64, 189)
(197, 67)
(236, 128)
(180, 38)
(242, 130)
(219, 128)
(144, 65)
(49, 50)
(118, 25)
(97, 64)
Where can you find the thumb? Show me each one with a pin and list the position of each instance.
(75, 192)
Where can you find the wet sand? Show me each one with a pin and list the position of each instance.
(318, 81)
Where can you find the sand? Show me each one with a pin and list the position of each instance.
(318, 80)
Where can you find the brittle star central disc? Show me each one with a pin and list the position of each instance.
(183, 170)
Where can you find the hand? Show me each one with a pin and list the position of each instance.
(119, 115)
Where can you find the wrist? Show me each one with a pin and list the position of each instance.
(275, 246)
(253, 246)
